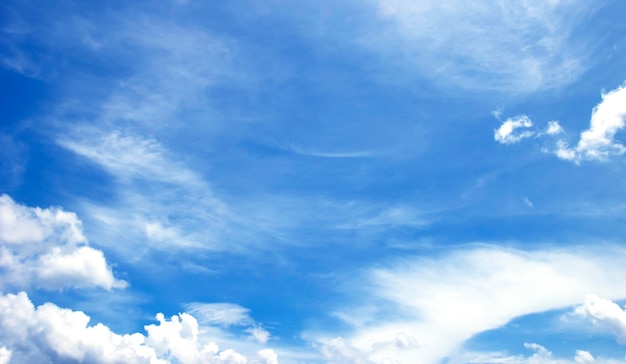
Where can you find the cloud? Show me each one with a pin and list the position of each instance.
(50, 333)
(153, 187)
(5, 355)
(598, 142)
(227, 314)
(129, 157)
(540, 355)
(443, 301)
(488, 45)
(259, 334)
(605, 315)
(554, 128)
(223, 314)
(45, 248)
(268, 356)
(509, 132)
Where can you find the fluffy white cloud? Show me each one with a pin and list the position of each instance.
(259, 334)
(514, 129)
(495, 44)
(268, 356)
(49, 333)
(606, 315)
(5, 355)
(441, 302)
(46, 248)
(598, 142)
(584, 357)
(553, 128)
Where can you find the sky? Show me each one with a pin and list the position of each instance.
(359, 182)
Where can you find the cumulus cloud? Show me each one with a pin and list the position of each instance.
(45, 248)
(514, 129)
(598, 142)
(49, 333)
(604, 314)
(441, 302)
(5, 355)
(553, 128)
(268, 356)
(502, 45)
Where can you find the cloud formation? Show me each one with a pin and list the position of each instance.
(441, 302)
(605, 315)
(492, 45)
(45, 248)
(598, 142)
(48, 333)
(513, 130)
(540, 355)
(228, 314)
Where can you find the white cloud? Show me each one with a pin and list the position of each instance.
(228, 314)
(540, 355)
(127, 156)
(5, 355)
(49, 333)
(584, 357)
(598, 142)
(225, 314)
(553, 128)
(153, 187)
(493, 45)
(509, 132)
(259, 334)
(46, 248)
(441, 302)
(604, 314)
(268, 356)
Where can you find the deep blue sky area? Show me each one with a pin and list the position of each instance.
(359, 182)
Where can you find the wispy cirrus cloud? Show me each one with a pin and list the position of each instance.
(491, 45)
(438, 303)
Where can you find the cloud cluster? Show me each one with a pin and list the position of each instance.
(441, 302)
(598, 143)
(49, 333)
(45, 248)
(513, 130)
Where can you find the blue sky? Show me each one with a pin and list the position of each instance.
(375, 181)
